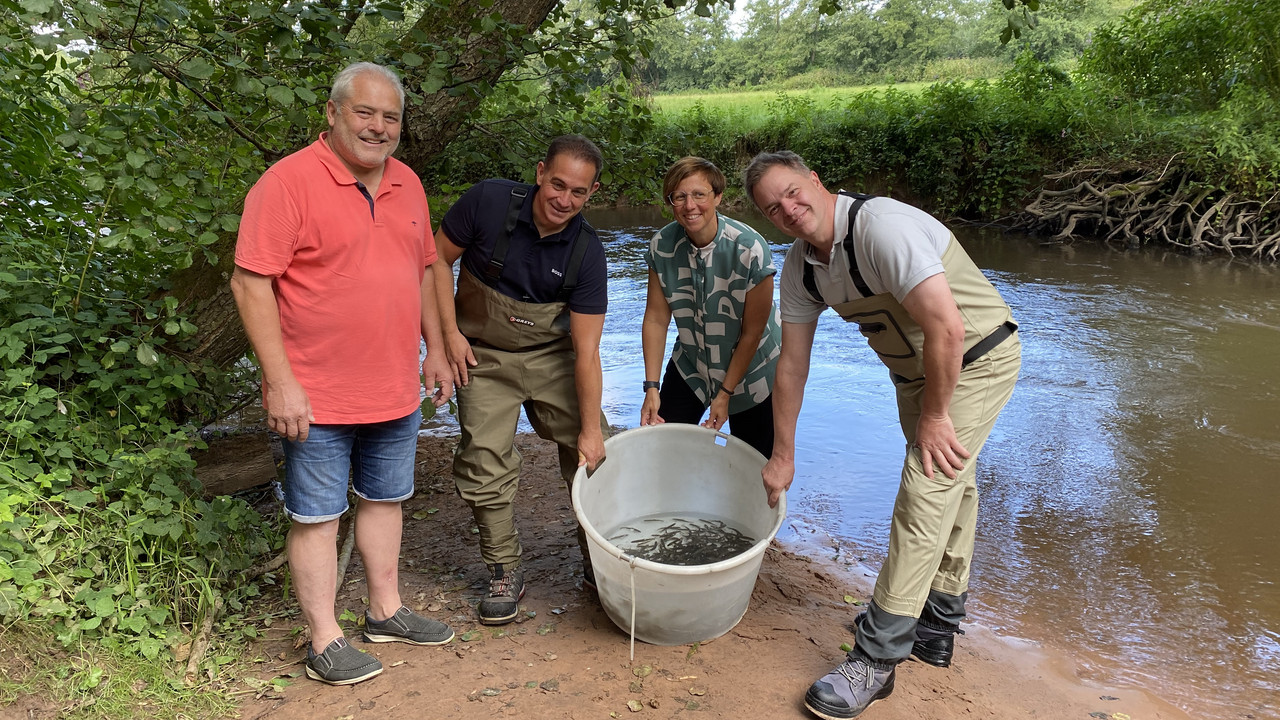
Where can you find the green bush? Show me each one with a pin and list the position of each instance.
(981, 149)
(1238, 142)
(522, 123)
(1185, 54)
(102, 532)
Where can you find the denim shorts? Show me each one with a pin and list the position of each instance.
(377, 457)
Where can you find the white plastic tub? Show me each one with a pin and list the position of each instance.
(680, 469)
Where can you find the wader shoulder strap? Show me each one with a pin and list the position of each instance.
(576, 254)
(855, 274)
(494, 271)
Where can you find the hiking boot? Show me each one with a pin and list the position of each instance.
(341, 664)
(503, 601)
(852, 687)
(935, 644)
(408, 627)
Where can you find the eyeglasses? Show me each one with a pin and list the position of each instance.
(679, 198)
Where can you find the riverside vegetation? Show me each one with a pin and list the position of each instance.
(1165, 132)
(134, 131)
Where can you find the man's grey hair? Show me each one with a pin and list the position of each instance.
(342, 83)
(764, 162)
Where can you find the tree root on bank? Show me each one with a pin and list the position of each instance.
(1166, 206)
(348, 543)
(201, 643)
(263, 568)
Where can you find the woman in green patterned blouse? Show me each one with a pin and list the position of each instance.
(714, 275)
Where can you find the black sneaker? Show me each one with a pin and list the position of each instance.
(852, 687)
(341, 664)
(408, 627)
(503, 602)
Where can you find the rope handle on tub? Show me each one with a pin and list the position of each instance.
(632, 562)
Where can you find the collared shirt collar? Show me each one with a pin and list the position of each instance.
(341, 175)
(811, 257)
(686, 240)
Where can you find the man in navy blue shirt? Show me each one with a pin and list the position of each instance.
(523, 330)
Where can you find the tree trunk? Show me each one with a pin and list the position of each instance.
(478, 61)
(204, 295)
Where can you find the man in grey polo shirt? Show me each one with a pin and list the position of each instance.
(948, 340)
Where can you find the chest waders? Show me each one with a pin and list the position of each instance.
(524, 357)
(925, 576)
(488, 318)
(892, 333)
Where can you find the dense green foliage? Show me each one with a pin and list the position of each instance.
(132, 133)
(1191, 53)
(969, 149)
(975, 149)
(100, 534)
(613, 115)
(790, 43)
(508, 133)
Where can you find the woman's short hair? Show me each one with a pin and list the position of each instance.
(690, 165)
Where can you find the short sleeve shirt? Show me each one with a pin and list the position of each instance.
(898, 246)
(347, 275)
(535, 266)
(706, 290)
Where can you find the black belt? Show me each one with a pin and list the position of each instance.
(980, 348)
(986, 344)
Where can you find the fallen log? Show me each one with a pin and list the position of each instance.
(236, 462)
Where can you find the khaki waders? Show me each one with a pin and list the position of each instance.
(524, 358)
(932, 532)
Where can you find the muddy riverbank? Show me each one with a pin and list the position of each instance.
(566, 659)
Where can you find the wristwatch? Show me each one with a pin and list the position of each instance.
(650, 385)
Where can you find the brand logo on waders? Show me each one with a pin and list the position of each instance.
(522, 321)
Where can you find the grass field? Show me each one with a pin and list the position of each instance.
(822, 89)
(733, 100)
(752, 106)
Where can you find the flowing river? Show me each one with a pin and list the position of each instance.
(1128, 516)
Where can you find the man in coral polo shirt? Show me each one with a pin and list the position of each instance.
(331, 284)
